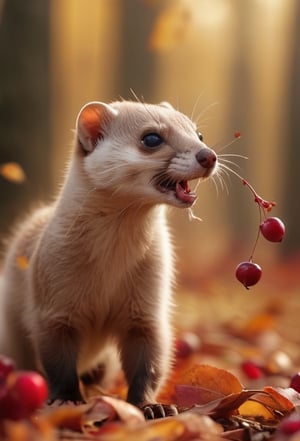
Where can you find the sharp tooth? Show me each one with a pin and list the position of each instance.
(186, 187)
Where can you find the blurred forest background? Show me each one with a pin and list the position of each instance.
(233, 64)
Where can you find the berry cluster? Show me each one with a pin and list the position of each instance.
(21, 392)
(272, 229)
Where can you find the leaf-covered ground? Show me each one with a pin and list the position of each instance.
(236, 351)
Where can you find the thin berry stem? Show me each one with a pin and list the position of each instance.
(257, 236)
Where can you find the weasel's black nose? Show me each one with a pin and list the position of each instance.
(206, 157)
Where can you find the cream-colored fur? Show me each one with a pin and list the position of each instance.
(100, 258)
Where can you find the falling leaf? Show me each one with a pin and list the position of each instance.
(22, 262)
(170, 28)
(13, 172)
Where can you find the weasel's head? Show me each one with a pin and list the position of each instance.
(142, 152)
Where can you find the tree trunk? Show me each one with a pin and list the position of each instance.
(137, 64)
(24, 102)
(291, 159)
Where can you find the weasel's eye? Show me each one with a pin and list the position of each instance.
(152, 140)
(200, 136)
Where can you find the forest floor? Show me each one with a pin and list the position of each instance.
(236, 352)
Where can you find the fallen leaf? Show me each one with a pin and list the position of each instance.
(287, 398)
(255, 409)
(168, 429)
(212, 378)
(65, 416)
(187, 396)
(13, 172)
(222, 406)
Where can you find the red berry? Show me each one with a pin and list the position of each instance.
(30, 388)
(290, 425)
(295, 382)
(248, 273)
(237, 134)
(6, 366)
(24, 393)
(252, 370)
(273, 229)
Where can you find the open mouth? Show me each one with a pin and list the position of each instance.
(180, 189)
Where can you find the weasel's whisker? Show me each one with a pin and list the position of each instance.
(205, 110)
(227, 161)
(235, 155)
(227, 145)
(226, 169)
(195, 105)
(223, 183)
(213, 179)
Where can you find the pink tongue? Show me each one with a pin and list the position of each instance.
(184, 194)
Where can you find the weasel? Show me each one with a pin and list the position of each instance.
(100, 260)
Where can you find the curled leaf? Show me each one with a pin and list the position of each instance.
(125, 411)
(225, 405)
(108, 410)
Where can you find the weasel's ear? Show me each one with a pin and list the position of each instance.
(91, 122)
(166, 105)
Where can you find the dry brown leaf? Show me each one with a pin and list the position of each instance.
(212, 378)
(170, 28)
(12, 172)
(187, 396)
(271, 403)
(33, 430)
(200, 427)
(286, 398)
(169, 429)
(106, 409)
(67, 417)
(222, 406)
(254, 409)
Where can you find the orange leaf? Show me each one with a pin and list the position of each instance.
(255, 409)
(224, 405)
(212, 378)
(67, 416)
(13, 172)
(168, 429)
(270, 402)
(286, 398)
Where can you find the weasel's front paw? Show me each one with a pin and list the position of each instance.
(158, 410)
(60, 402)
